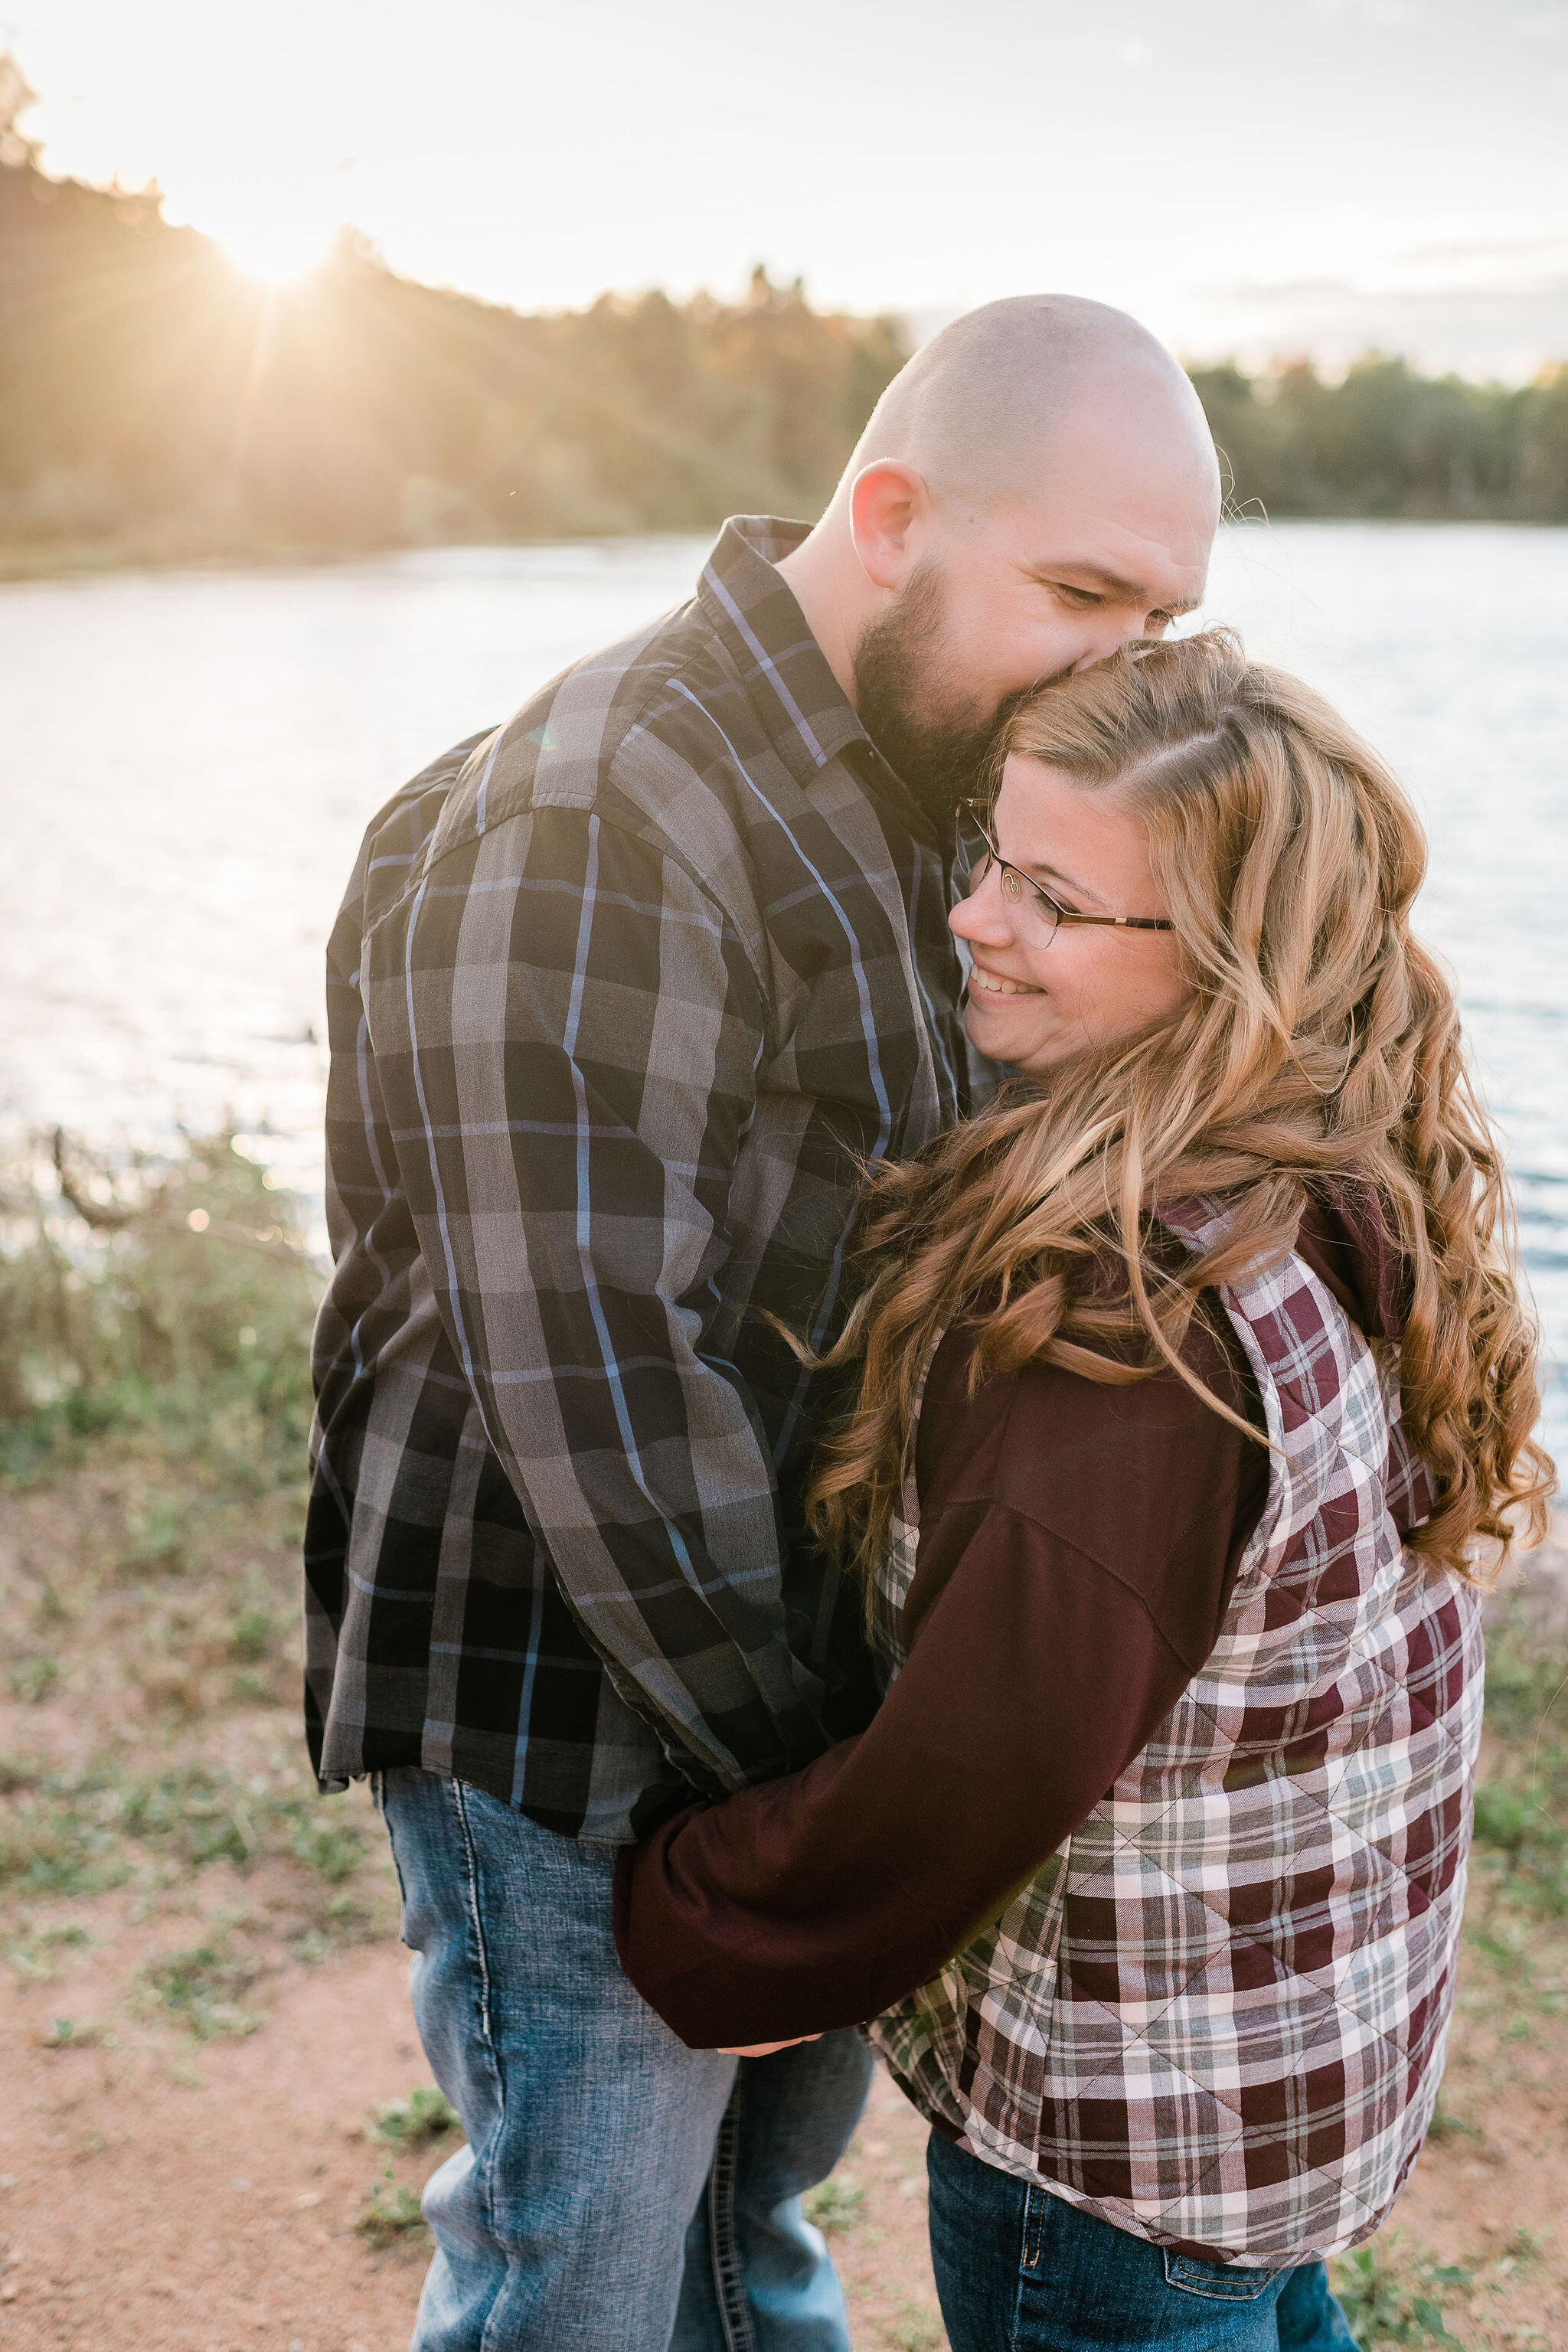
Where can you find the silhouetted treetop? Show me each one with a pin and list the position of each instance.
(150, 393)
(155, 403)
(1386, 441)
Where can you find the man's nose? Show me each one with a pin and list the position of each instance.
(1107, 634)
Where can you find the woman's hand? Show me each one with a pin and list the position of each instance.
(767, 2049)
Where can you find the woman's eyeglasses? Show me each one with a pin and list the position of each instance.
(1031, 905)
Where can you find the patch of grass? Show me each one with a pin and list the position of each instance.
(167, 1303)
(425, 2115)
(335, 1847)
(53, 1845)
(202, 1987)
(153, 1406)
(918, 2332)
(834, 2203)
(71, 2033)
(1521, 1804)
(32, 1679)
(389, 2211)
(32, 1956)
(1447, 2125)
(1388, 2301)
(254, 1632)
(62, 1834)
(158, 1532)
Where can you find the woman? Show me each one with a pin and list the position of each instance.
(1193, 1386)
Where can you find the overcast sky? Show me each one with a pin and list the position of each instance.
(1246, 175)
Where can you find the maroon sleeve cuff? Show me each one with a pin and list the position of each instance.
(732, 1923)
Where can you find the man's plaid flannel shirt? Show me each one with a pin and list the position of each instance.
(620, 998)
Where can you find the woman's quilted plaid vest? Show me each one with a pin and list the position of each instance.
(1217, 2016)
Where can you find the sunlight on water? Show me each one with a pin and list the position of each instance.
(190, 758)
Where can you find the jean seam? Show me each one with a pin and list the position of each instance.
(471, 1873)
(1028, 2255)
(729, 2287)
(1034, 2226)
(483, 2158)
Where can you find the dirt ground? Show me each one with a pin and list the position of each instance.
(153, 2196)
(203, 2006)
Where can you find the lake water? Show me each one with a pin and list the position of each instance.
(189, 758)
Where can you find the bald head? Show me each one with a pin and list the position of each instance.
(1036, 488)
(983, 411)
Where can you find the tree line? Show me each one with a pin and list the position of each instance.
(1386, 441)
(154, 403)
(150, 396)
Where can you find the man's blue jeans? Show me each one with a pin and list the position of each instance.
(618, 2192)
(1018, 2270)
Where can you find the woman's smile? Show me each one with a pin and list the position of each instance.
(1096, 984)
(992, 983)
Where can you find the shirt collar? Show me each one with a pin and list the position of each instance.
(753, 609)
(805, 709)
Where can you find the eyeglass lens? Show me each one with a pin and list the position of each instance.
(1029, 907)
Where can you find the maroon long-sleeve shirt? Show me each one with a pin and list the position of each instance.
(1078, 1544)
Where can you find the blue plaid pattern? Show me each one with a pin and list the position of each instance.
(621, 998)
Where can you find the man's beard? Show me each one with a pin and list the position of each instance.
(941, 746)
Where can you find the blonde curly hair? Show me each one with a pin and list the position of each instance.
(1321, 1040)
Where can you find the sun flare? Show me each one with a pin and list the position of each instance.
(276, 262)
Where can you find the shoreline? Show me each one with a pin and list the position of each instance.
(23, 564)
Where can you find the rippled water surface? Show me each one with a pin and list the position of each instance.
(189, 759)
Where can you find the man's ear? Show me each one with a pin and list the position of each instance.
(888, 501)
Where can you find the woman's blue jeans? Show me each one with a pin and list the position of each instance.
(618, 2192)
(1018, 2270)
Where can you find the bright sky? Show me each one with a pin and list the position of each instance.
(1255, 176)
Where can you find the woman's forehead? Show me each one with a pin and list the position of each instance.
(1037, 801)
(1077, 837)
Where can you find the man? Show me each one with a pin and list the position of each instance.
(623, 996)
